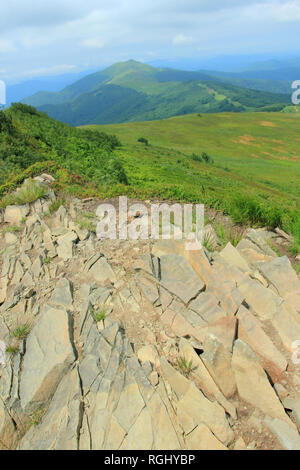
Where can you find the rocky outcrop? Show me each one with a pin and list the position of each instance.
(142, 345)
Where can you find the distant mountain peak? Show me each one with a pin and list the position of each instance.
(128, 65)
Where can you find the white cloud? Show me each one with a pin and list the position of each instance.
(50, 33)
(47, 71)
(181, 39)
(6, 46)
(97, 43)
(273, 12)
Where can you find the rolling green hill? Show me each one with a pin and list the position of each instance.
(269, 85)
(275, 76)
(131, 91)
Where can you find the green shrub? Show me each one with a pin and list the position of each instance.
(29, 137)
(143, 141)
(28, 193)
(206, 158)
(196, 158)
(33, 170)
(24, 108)
(115, 172)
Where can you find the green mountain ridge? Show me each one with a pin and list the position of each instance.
(131, 91)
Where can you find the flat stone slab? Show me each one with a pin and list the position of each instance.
(287, 435)
(62, 295)
(253, 384)
(59, 427)
(234, 258)
(102, 271)
(49, 354)
(250, 330)
(280, 274)
(206, 305)
(179, 278)
(258, 239)
(14, 214)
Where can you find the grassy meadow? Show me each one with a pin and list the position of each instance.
(255, 174)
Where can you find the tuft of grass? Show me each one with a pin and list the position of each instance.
(235, 237)
(295, 248)
(209, 242)
(37, 416)
(12, 350)
(29, 192)
(55, 205)
(21, 331)
(186, 367)
(273, 247)
(222, 234)
(88, 215)
(245, 208)
(85, 223)
(47, 260)
(297, 268)
(226, 235)
(99, 315)
(11, 229)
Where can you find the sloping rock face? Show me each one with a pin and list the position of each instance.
(142, 345)
(49, 354)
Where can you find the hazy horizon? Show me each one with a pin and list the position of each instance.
(67, 37)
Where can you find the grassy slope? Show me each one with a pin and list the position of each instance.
(28, 137)
(256, 155)
(264, 146)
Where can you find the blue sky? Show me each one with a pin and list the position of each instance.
(48, 37)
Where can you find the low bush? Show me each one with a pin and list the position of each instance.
(142, 140)
(28, 193)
